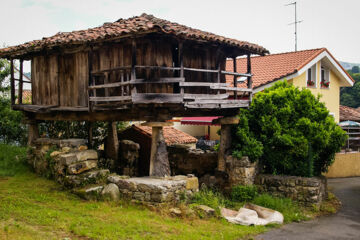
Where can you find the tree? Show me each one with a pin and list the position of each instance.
(296, 132)
(4, 72)
(355, 69)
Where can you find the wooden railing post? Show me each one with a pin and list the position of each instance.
(20, 93)
(249, 83)
(133, 63)
(12, 82)
(235, 80)
(90, 61)
(181, 63)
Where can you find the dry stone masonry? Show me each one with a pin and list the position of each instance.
(74, 166)
(306, 190)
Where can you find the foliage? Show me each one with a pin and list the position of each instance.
(355, 69)
(244, 141)
(298, 135)
(350, 96)
(243, 193)
(75, 129)
(12, 160)
(290, 209)
(209, 197)
(4, 72)
(11, 128)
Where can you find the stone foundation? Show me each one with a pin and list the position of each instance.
(153, 191)
(306, 190)
(186, 160)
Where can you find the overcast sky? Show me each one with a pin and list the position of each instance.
(333, 24)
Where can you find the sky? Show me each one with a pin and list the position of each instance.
(333, 24)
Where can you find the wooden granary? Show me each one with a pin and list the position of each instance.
(142, 68)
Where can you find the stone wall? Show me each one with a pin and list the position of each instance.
(306, 190)
(72, 165)
(241, 171)
(186, 160)
(153, 191)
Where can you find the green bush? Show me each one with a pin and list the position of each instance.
(209, 198)
(290, 209)
(297, 134)
(12, 160)
(242, 193)
(12, 131)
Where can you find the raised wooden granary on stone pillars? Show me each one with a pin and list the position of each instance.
(137, 69)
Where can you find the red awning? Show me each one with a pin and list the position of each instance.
(198, 120)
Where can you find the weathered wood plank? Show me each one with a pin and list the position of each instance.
(160, 80)
(146, 98)
(20, 93)
(200, 70)
(202, 84)
(159, 67)
(215, 101)
(110, 99)
(12, 82)
(233, 89)
(236, 74)
(109, 85)
(206, 96)
(113, 69)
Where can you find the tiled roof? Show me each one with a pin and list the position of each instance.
(266, 69)
(349, 113)
(128, 27)
(171, 135)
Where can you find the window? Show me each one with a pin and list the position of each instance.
(311, 77)
(325, 78)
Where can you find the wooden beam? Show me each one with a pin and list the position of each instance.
(157, 124)
(206, 96)
(110, 99)
(159, 67)
(200, 70)
(147, 98)
(102, 71)
(232, 89)
(202, 84)
(234, 81)
(20, 93)
(249, 84)
(133, 64)
(109, 85)
(160, 80)
(219, 101)
(181, 64)
(90, 81)
(12, 82)
(236, 74)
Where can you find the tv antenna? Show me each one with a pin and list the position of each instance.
(295, 23)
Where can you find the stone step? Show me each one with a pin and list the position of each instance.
(90, 177)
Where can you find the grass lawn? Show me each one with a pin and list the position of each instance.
(33, 207)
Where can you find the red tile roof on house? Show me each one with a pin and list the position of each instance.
(349, 113)
(269, 68)
(172, 136)
(128, 27)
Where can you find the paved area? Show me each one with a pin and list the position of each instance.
(343, 225)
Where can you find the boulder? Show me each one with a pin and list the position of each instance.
(80, 167)
(205, 211)
(91, 177)
(192, 183)
(111, 192)
(89, 193)
(176, 212)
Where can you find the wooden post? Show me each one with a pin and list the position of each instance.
(249, 83)
(20, 93)
(33, 131)
(218, 66)
(235, 80)
(133, 63)
(112, 142)
(91, 80)
(225, 140)
(12, 82)
(181, 63)
(159, 161)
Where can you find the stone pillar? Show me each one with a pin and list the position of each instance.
(225, 140)
(159, 161)
(33, 131)
(112, 142)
